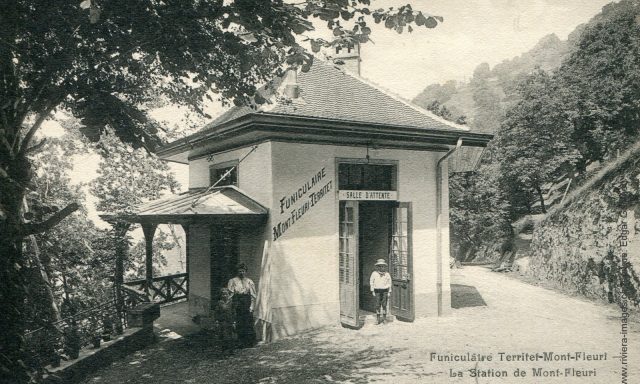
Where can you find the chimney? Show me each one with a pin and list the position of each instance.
(350, 56)
(291, 87)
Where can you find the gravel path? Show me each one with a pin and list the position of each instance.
(517, 318)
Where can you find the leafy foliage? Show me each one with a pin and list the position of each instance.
(69, 267)
(587, 111)
(127, 177)
(486, 96)
(479, 213)
(444, 112)
(134, 265)
(535, 143)
(602, 78)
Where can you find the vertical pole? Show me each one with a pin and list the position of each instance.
(185, 227)
(120, 233)
(149, 231)
(439, 236)
(119, 280)
(439, 206)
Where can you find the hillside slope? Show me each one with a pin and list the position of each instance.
(591, 243)
(484, 98)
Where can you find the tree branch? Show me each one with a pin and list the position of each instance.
(32, 229)
(36, 147)
(34, 128)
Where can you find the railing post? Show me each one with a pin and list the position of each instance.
(149, 231)
(121, 229)
(185, 228)
(119, 279)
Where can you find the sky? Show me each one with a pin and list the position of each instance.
(473, 31)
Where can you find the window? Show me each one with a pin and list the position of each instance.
(224, 174)
(374, 177)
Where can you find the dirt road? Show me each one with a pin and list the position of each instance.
(544, 335)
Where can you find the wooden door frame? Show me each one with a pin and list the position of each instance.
(355, 264)
(412, 312)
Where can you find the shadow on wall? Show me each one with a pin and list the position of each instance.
(294, 293)
(463, 296)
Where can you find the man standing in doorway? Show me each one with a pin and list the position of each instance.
(380, 283)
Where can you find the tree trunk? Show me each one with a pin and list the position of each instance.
(54, 312)
(539, 190)
(13, 289)
(15, 176)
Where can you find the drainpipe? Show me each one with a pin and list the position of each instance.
(439, 220)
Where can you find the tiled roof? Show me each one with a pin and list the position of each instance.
(326, 91)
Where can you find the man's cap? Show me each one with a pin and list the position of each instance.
(381, 262)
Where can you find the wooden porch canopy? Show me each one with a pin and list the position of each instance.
(197, 206)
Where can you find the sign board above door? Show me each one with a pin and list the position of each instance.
(368, 195)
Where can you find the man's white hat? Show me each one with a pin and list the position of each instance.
(381, 262)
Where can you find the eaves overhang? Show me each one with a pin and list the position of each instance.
(269, 126)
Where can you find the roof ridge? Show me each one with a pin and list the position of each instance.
(273, 102)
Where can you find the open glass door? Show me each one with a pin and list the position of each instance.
(348, 264)
(400, 258)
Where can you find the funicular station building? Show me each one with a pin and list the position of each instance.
(321, 182)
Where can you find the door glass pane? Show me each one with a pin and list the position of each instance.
(349, 212)
(399, 252)
(405, 273)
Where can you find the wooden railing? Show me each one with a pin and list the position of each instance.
(164, 289)
(132, 297)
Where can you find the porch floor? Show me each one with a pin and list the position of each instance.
(175, 322)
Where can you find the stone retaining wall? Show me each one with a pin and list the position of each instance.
(592, 245)
(139, 335)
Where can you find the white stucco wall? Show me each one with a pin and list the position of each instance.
(304, 258)
(306, 255)
(254, 179)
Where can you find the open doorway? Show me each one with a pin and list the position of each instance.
(374, 239)
(370, 231)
